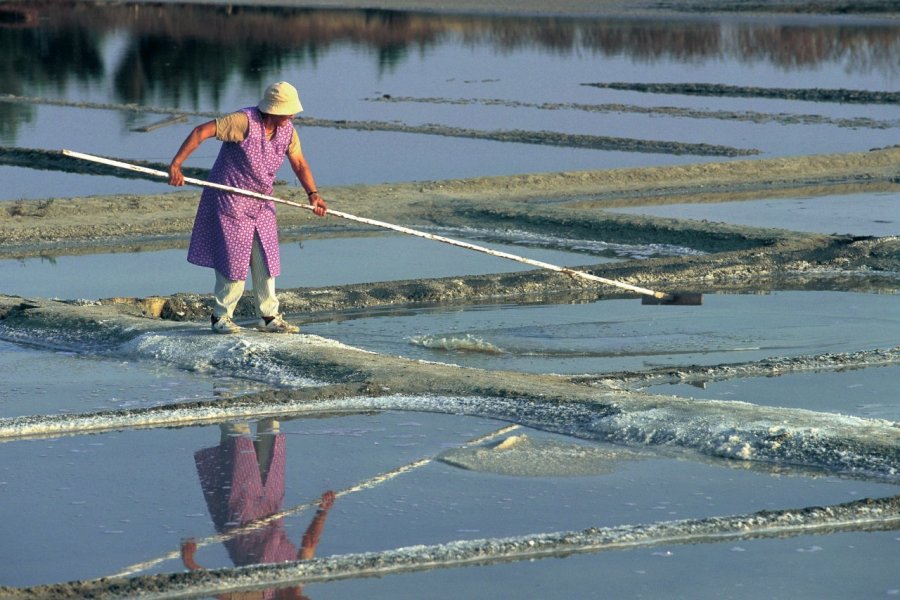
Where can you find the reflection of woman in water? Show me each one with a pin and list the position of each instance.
(243, 481)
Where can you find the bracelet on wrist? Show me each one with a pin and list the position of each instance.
(312, 193)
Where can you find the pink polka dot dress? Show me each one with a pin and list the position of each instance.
(226, 223)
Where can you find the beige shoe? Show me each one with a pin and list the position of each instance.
(225, 325)
(277, 325)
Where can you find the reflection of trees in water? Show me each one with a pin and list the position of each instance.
(48, 57)
(259, 38)
(559, 36)
(12, 116)
(653, 41)
(42, 59)
(173, 52)
(862, 50)
(155, 67)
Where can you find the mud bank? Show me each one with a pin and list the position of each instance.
(710, 89)
(572, 202)
(773, 367)
(566, 205)
(669, 111)
(839, 263)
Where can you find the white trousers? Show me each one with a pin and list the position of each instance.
(228, 292)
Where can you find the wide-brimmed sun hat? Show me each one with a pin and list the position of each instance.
(280, 99)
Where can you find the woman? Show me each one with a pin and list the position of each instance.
(233, 233)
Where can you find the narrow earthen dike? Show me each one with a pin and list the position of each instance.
(569, 204)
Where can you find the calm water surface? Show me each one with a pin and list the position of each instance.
(876, 214)
(311, 263)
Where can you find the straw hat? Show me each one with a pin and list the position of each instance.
(280, 99)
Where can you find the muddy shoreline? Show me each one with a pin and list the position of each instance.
(724, 115)
(732, 91)
(570, 205)
(866, 265)
(550, 202)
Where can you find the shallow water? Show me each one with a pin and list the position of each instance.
(315, 262)
(309, 263)
(133, 496)
(861, 565)
(79, 383)
(615, 335)
(873, 214)
(869, 393)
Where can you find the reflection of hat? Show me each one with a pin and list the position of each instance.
(280, 99)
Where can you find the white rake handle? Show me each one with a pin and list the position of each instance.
(382, 224)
